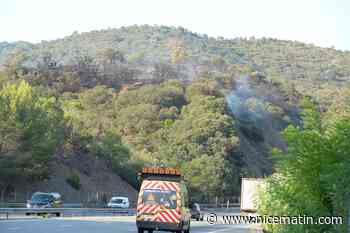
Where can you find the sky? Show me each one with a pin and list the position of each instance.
(321, 22)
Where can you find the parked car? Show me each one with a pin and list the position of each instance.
(196, 212)
(45, 200)
(118, 202)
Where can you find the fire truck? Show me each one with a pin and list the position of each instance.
(162, 201)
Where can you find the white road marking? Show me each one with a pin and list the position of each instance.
(102, 218)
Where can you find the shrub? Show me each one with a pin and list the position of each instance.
(74, 181)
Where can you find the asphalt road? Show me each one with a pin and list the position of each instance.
(103, 225)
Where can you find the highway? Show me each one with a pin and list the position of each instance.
(120, 224)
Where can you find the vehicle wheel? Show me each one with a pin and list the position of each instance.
(150, 231)
(58, 214)
(140, 230)
(188, 229)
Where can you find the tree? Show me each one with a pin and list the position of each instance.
(14, 64)
(203, 87)
(47, 61)
(110, 56)
(88, 115)
(31, 129)
(312, 176)
(110, 147)
(205, 174)
(200, 141)
(178, 51)
(163, 72)
(90, 121)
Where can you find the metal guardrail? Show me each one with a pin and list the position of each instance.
(12, 205)
(74, 209)
(7, 212)
(72, 205)
(219, 205)
(23, 205)
(101, 206)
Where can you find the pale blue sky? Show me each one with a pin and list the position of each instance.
(322, 22)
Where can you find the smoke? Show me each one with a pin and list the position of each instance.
(256, 116)
(261, 113)
(244, 103)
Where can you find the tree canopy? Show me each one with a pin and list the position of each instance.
(32, 128)
(312, 177)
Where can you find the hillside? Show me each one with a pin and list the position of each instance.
(151, 44)
(98, 182)
(155, 95)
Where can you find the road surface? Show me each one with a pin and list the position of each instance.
(103, 225)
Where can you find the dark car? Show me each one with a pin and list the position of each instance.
(44, 200)
(196, 212)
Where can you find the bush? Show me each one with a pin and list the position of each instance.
(312, 177)
(74, 181)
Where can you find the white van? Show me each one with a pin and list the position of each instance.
(163, 201)
(119, 202)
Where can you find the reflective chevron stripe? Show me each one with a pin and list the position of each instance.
(160, 214)
(162, 185)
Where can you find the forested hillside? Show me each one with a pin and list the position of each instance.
(155, 95)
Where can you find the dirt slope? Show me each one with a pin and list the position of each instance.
(98, 181)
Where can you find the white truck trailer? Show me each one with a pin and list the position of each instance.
(249, 193)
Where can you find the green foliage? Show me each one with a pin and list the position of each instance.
(311, 116)
(260, 106)
(279, 60)
(200, 141)
(178, 51)
(155, 125)
(109, 146)
(137, 57)
(31, 128)
(203, 87)
(164, 71)
(90, 120)
(111, 56)
(15, 63)
(205, 175)
(218, 61)
(164, 130)
(100, 76)
(3, 78)
(312, 177)
(88, 114)
(167, 94)
(74, 181)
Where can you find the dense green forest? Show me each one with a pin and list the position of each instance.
(155, 95)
